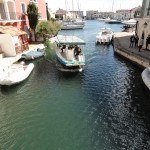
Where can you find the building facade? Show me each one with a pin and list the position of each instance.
(105, 14)
(92, 14)
(145, 8)
(123, 14)
(14, 13)
(143, 24)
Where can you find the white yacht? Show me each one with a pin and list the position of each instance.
(104, 36)
(112, 21)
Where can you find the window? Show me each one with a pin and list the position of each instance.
(34, 1)
(23, 7)
(26, 30)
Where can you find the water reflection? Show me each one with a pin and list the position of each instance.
(105, 107)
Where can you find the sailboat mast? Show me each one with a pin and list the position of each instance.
(72, 8)
(112, 5)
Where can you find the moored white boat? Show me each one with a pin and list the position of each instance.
(79, 21)
(72, 26)
(15, 73)
(146, 77)
(33, 54)
(67, 56)
(129, 22)
(112, 21)
(104, 36)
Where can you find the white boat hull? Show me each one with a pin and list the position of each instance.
(72, 27)
(146, 77)
(104, 37)
(111, 21)
(15, 74)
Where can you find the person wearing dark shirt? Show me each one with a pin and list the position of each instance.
(147, 41)
(62, 49)
(132, 40)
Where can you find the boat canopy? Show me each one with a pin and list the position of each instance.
(130, 22)
(69, 40)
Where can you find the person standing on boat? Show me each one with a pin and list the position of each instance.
(63, 48)
(77, 51)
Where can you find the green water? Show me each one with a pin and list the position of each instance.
(105, 107)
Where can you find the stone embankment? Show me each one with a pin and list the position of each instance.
(121, 46)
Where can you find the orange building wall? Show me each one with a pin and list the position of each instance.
(42, 9)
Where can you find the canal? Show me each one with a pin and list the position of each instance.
(105, 107)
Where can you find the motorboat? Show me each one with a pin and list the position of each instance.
(112, 21)
(15, 73)
(101, 19)
(71, 26)
(146, 77)
(33, 54)
(104, 36)
(129, 25)
(129, 22)
(79, 21)
(67, 49)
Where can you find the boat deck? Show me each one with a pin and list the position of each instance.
(67, 54)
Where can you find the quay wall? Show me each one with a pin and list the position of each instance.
(121, 47)
(138, 61)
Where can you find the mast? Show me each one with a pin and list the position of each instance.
(112, 5)
(73, 9)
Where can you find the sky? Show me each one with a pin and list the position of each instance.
(100, 5)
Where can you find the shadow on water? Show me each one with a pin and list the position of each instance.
(12, 89)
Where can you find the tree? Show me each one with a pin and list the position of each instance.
(48, 29)
(33, 16)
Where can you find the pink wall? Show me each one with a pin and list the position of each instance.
(40, 4)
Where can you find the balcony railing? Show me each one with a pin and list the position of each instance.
(11, 16)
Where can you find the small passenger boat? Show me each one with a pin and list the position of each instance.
(15, 73)
(104, 36)
(146, 77)
(70, 52)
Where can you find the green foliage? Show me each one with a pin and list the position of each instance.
(47, 43)
(33, 16)
(53, 19)
(48, 28)
(32, 13)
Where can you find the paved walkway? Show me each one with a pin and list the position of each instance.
(122, 41)
(121, 45)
